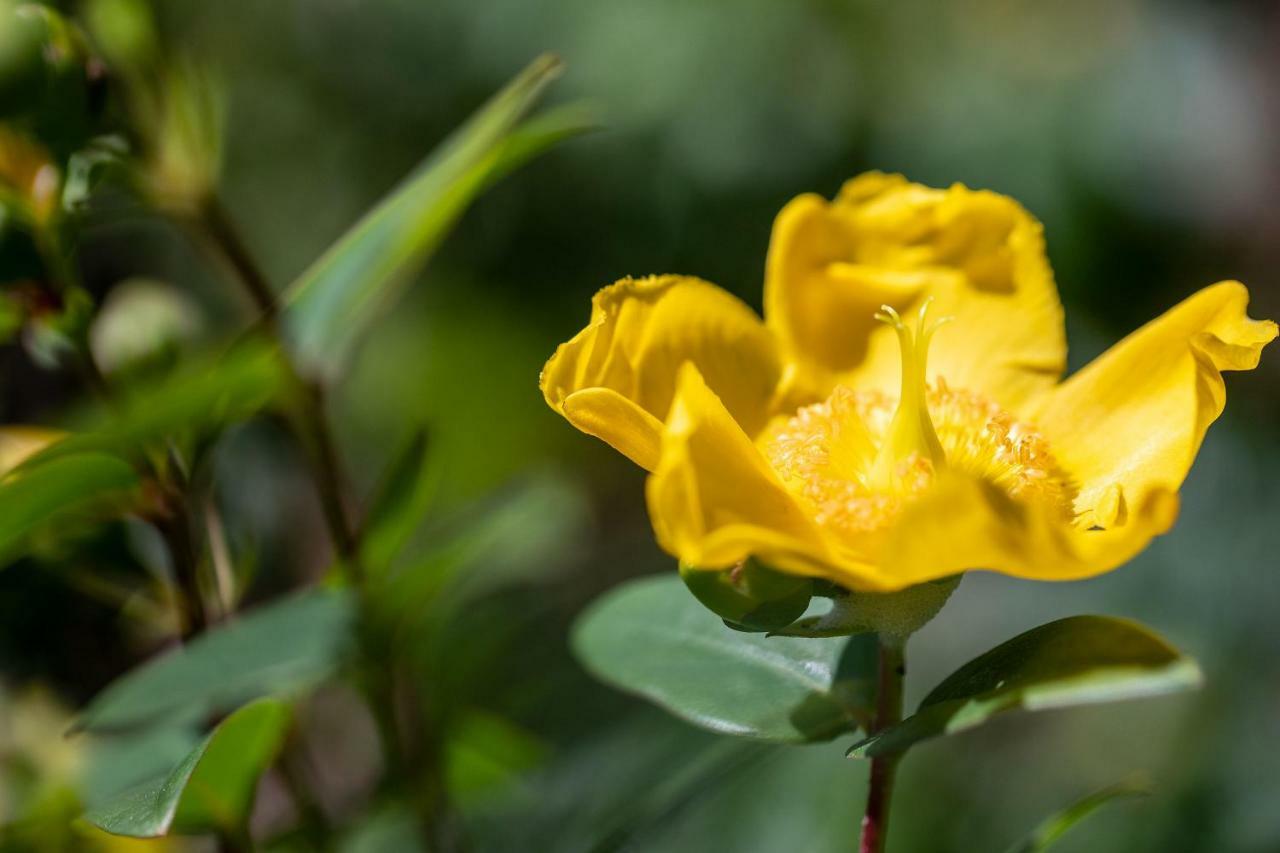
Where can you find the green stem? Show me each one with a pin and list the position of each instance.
(875, 821)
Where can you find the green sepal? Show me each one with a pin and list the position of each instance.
(750, 597)
(894, 614)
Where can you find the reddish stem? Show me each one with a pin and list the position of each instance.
(875, 821)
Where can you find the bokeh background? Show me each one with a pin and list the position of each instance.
(1145, 135)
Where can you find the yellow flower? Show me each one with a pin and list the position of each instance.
(850, 436)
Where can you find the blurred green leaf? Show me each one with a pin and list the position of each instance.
(485, 752)
(522, 533)
(24, 69)
(1055, 826)
(393, 829)
(658, 770)
(10, 310)
(538, 134)
(277, 649)
(1080, 660)
(652, 638)
(332, 303)
(39, 495)
(88, 167)
(399, 503)
(198, 397)
(212, 788)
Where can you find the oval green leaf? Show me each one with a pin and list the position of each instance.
(652, 638)
(282, 648)
(211, 789)
(1080, 660)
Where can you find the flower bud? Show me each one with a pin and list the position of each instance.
(750, 596)
(141, 320)
(24, 69)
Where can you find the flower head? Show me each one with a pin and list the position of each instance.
(852, 437)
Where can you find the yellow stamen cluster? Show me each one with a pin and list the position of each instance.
(860, 456)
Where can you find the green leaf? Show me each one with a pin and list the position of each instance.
(519, 535)
(212, 789)
(1076, 661)
(11, 315)
(278, 649)
(652, 638)
(1055, 826)
(334, 301)
(204, 395)
(36, 496)
(399, 504)
(485, 752)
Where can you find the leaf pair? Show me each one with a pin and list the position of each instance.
(281, 649)
(650, 637)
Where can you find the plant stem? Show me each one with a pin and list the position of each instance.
(875, 821)
(380, 682)
(227, 238)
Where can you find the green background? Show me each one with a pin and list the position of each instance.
(1143, 134)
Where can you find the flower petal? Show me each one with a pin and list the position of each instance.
(641, 331)
(963, 524)
(1132, 421)
(884, 240)
(614, 419)
(714, 500)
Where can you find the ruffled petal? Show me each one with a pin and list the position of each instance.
(627, 358)
(714, 500)
(883, 240)
(965, 524)
(1131, 422)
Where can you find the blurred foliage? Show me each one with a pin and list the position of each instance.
(1139, 131)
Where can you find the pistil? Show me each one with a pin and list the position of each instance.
(911, 441)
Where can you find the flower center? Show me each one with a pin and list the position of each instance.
(859, 457)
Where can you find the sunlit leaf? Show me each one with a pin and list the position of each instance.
(652, 638)
(333, 302)
(57, 490)
(1076, 661)
(278, 649)
(1056, 825)
(212, 789)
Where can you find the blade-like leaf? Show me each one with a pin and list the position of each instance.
(277, 649)
(1055, 826)
(1076, 661)
(332, 303)
(211, 789)
(652, 638)
(53, 491)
